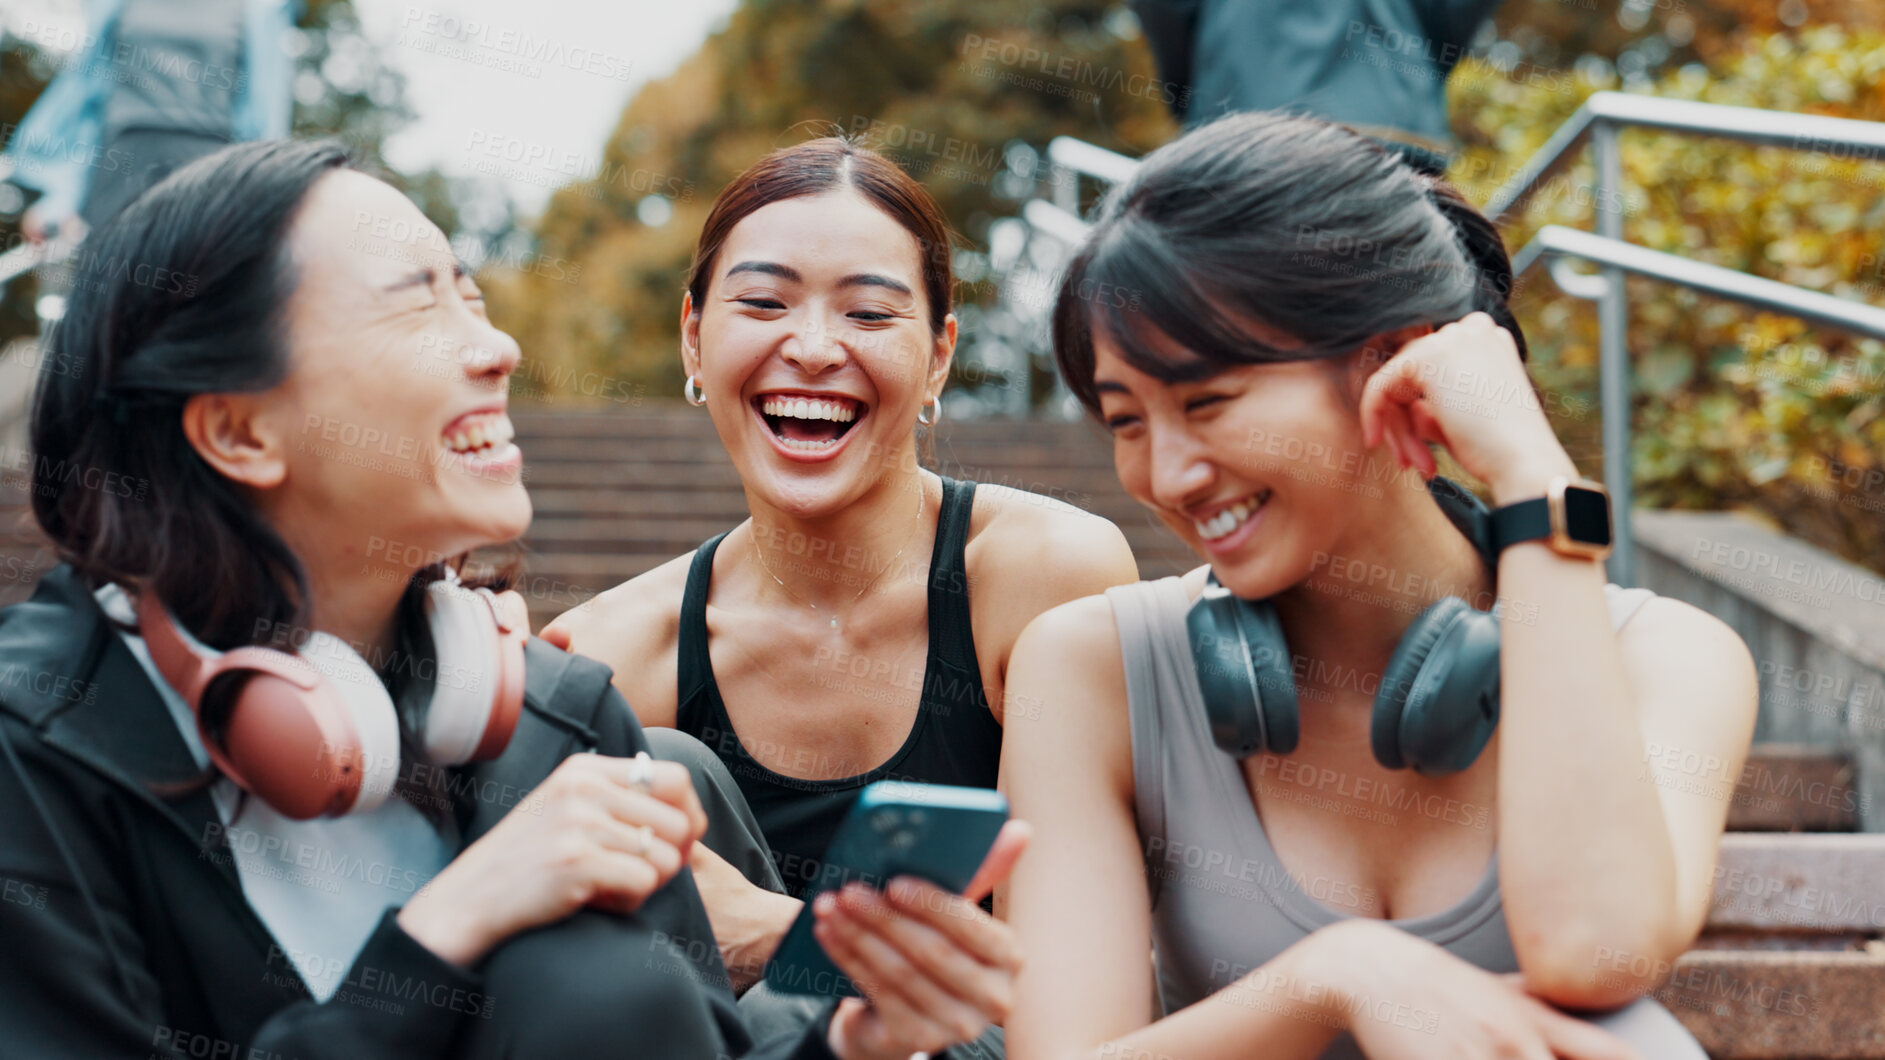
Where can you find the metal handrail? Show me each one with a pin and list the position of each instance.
(1731, 284)
(1769, 128)
(1090, 159)
(1598, 120)
(1046, 217)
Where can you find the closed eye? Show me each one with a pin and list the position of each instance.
(1203, 401)
(761, 303)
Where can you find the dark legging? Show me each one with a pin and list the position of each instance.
(733, 834)
(618, 986)
(632, 990)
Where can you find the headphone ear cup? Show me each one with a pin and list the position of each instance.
(311, 734)
(1269, 663)
(507, 702)
(1243, 673)
(279, 742)
(1225, 677)
(1438, 703)
(478, 693)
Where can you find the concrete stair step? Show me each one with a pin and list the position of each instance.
(1780, 1006)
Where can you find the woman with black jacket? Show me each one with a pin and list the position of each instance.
(275, 417)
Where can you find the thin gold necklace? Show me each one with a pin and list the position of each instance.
(922, 490)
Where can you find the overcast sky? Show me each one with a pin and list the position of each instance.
(522, 90)
(527, 91)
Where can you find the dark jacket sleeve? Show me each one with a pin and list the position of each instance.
(374, 1013)
(1169, 27)
(65, 993)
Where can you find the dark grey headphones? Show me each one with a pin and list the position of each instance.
(1438, 700)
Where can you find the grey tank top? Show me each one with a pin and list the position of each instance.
(1222, 902)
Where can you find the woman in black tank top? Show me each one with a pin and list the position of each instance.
(857, 626)
(954, 739)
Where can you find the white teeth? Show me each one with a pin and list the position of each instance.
(494, 432)
(792, 443)
(1230, 518)
(808, 409)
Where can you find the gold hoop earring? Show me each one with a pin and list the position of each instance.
(924, 416)
(691, 391)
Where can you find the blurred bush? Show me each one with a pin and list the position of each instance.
(1732, 408)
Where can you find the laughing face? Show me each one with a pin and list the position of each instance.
(1259, 468)
(397, 438)
(814, 351)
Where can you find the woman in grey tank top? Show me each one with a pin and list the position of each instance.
(1275, 319)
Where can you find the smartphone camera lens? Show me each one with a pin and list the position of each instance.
(886, 821)
(903, 839)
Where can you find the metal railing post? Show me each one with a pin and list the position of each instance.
(1613, 363)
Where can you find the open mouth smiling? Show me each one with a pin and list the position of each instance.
(808, 424)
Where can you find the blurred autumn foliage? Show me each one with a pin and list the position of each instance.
(1732, 408)
(942, 86)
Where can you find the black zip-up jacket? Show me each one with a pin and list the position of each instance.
(191, 971)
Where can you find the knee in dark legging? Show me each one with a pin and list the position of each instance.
(673, 745)
(597, 985)
(732, 832)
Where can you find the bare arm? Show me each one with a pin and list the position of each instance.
(1618, 755)
(634, 629)
(1599, 852)
(1043, 553)
(1078, 901)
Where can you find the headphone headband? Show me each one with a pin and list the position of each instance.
(314, 733)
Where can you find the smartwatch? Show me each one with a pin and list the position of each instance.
(1573, 517)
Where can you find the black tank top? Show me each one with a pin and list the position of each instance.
(954, 739)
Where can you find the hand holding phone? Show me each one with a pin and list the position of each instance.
(937, 968)
(934, 832)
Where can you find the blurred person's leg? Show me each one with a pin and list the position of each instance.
(135, 160)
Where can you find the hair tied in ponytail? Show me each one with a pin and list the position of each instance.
(1485, 251)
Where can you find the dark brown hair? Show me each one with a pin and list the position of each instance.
(196, 307)
(1294, 223)
(184, 293)
(818, 166)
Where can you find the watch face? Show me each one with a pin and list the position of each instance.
(1587, 516)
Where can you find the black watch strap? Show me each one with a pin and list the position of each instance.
(1524, 521)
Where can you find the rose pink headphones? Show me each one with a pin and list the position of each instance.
(313, 733)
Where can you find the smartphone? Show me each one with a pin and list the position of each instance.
(936, 832)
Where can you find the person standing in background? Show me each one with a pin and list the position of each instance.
(155, 85)
(1377, 66)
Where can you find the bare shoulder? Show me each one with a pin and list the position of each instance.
(1085, 627)
(1045, 549)
(1671, 646)
(634, 629)
(1066, 689)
